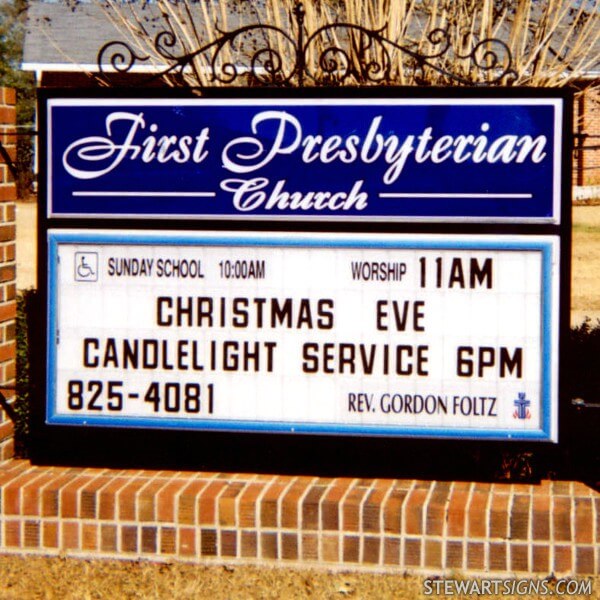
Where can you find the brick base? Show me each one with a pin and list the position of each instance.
(338, 523)
(7, 446)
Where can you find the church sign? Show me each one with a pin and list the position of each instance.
(374, 263)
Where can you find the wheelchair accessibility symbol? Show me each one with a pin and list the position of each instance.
(86, 266)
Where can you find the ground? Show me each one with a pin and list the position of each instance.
(36, 577)
(68, 579)
(585, 280)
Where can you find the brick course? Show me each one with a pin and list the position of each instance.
(386, 525)
(8, 195)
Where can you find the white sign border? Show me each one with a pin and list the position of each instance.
(557, 143)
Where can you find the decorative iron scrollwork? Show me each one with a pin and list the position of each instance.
(120, 56)
(334, 54)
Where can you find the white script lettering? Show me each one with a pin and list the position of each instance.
(250, 195)
(248, 154)
(279, 134)
(110, 152)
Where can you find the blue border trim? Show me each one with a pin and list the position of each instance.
(547, 339)
(55, 239)
(295, 241)
(301, 428)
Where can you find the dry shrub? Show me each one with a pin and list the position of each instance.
(552, 43)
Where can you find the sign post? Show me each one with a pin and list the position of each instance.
(367, 264)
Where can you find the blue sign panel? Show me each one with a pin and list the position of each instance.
(482, 159)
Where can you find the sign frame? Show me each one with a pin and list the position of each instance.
(52, 437)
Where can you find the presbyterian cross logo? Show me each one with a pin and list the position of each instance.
(522, 411)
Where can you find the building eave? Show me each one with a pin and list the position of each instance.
(83, 68)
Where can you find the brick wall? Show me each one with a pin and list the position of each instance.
(381, 524)
(587, 121)
(8, 194)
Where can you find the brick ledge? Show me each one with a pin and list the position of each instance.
(379, 524)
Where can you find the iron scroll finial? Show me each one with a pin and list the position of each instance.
(299, 14)
(336, 53)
